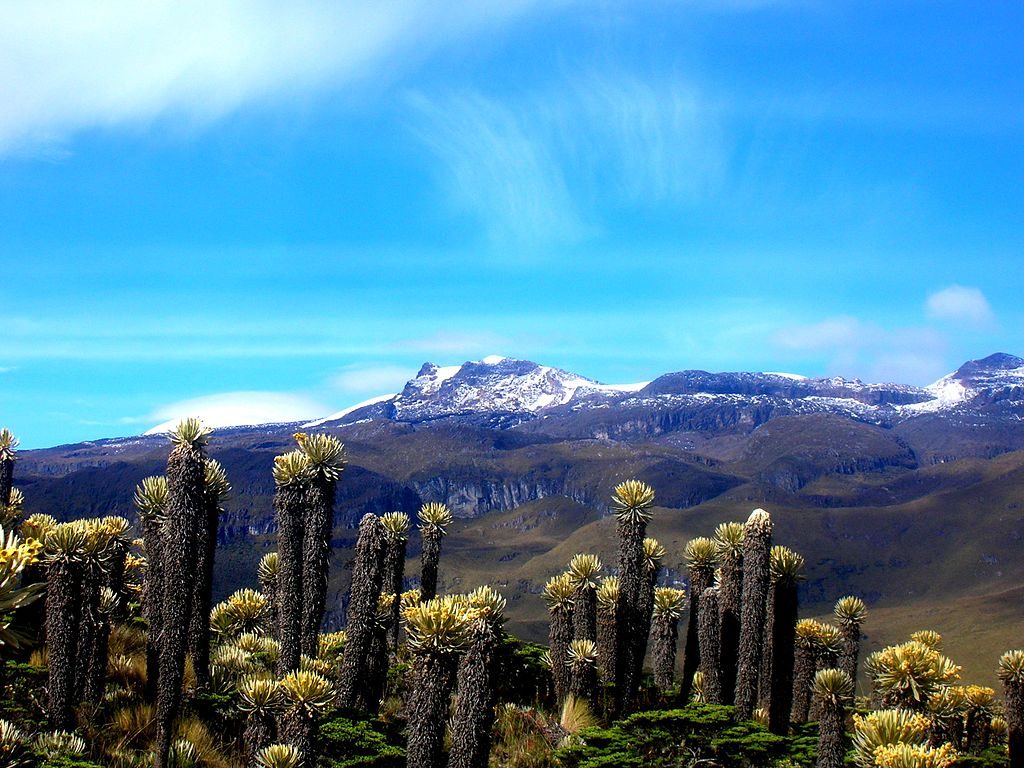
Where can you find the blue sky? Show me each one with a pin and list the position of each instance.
(278, 210)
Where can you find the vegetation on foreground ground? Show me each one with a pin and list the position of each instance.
(114, 655)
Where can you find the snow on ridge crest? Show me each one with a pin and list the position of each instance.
(500, 385)
(493, 384)
(346, 411)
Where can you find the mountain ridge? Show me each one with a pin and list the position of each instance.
(507, 386)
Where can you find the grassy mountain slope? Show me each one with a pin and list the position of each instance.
(927, 543)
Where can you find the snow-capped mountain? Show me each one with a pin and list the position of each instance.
(494, 386)
(994, 379)
(502, 392)
(505, 392)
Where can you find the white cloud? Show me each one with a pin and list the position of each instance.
(67, 66)
(372, 378)
(962, 304)
(853, 347)
(533, 167)
(232, 409)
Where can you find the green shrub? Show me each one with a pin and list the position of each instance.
(346, 743)
(668, 738)
(69, 762)
(522, 676)
(993, 757)
(22, 699)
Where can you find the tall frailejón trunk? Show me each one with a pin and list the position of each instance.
(607, 601)
(806, 638)
(668, 608)
(632, 502)
(786, 566)
(377, 656)
(438, 632)
(216, 487)
(367, 579)
(627, 612)
(186, 470)
(267, 575)
(89, 624)
(701, 556)
(708, 628)
(474, 704)
(396, 542)
(65, 564)
(115, 575)
(729, 538)
(151, 500)
(558, 594)
(327, 460)
(764, 679)
(757, 542)
(105, 542)
(834, 689)
(850, 612)
(430, 556)
(428, 709)
(62, 617)
(292, 473)
(434, 520)
(320, 494)
(653, 554)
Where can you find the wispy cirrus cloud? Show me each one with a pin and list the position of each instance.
(652, 139)
(537, 167)
(66, 67)
(494, 163)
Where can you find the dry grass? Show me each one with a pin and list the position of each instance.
(212, 753)
(576, 715)
(127, 641)
(523, 739)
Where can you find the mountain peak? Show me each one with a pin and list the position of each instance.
(493, 384)
(1000, 361)
(998, 377)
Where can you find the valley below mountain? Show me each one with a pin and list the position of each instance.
(910, 497)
